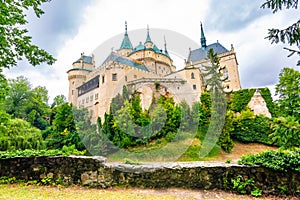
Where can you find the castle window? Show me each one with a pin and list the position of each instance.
(72, 92)
(227, 86)
(73, 83)
(194, 87)
(91, 98)
(103, 79)
(126, 78)
(192, 75)
(135, 76)
(87, 100)
(226, 74)
(96, 96)
(114, 77)
(82, 101)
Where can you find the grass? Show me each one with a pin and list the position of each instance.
(22, 192)
(184, 149)
(16, 191)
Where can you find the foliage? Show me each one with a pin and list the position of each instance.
(286, 132)
(15, 43)
(225, 141)
(251, 129)
(130, 162)
(127, 125)
(3, 89)
(277, 160)
(58, 100)
(204, 114)
(245, 186)
(63, 131)
(8, 180)
(23, 101)
(288, 90)
(44, 152)
(240, 99)
(17, 134)
(213, 80)
(291, 34)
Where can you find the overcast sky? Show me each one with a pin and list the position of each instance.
(70, 27)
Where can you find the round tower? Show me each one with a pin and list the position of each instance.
(77, 76)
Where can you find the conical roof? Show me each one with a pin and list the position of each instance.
(126, 44)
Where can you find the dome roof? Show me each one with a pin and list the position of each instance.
(139, 47)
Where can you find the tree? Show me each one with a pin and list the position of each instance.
(291, 34)
(286, 132)
(15, 43)
(26, 103)
(18, 97)
(3, 89)
(17, 134)
(58, 100)
(213, 80)
(288, 90)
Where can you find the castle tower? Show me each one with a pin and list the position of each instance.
(198, 58)
(77, 76)
(126, 46)
(148, 43)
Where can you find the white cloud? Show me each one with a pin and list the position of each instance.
(260, 62)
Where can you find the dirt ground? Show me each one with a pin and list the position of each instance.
(240, 149)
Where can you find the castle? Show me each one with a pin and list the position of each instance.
(143, 68)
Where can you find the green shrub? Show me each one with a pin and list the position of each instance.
(286, 132)
(245, 186)
(34, 153)
(248, 130)
(277, 160)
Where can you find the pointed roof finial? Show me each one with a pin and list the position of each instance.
(148, 39)
(166, 51)
(125, 27)
(203, 39)
(165, 43)
(126, 44)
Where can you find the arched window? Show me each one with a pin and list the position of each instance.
(192, 75)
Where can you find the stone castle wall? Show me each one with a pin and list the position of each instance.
(95, 172)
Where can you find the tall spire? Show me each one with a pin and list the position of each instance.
(126, 44)
(148, 39)
(203, 40)
(166, 51)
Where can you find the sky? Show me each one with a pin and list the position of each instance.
(70, 27)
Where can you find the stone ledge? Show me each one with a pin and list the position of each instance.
(96, 172)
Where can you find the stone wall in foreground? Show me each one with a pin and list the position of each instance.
(95, 172)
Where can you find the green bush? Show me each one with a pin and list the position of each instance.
(277, 160)
(286, 132)
(254, 129)
(34, 153)
(18, 134)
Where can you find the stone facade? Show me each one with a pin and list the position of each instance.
(95, 172)
(142, 67)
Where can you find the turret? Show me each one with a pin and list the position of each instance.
(126, 46)
(77, 75)
(148, 43)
